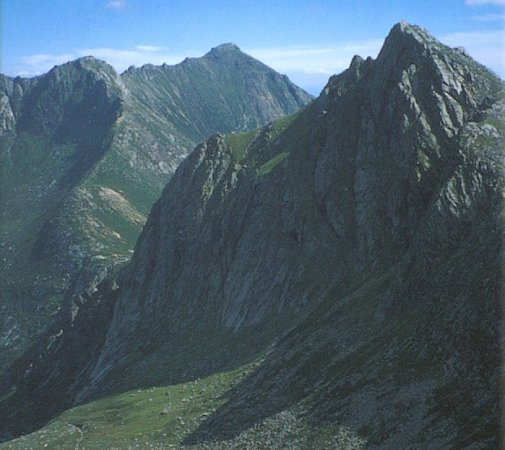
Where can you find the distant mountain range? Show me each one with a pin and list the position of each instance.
(331, 280)
(85, 153)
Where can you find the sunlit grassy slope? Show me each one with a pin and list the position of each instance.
(165, 417)
(158, 417)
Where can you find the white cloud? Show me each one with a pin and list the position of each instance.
(311, 59)
(38, 64)
(120, 59)
(311, 66)
(116, 4)
(148, 48)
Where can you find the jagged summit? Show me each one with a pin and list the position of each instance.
(226, 47)
(226, 65)
(409, 57)
(226, 50)
(407, 50)
(89, 59)
(356, 61)
(89, 63)
(405, 34)
(408, 44)
(406, 37)
(95, 64)
(405, 27)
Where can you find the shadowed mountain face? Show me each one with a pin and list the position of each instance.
(356, 243)
(85, 153)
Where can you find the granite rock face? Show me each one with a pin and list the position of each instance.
(85, 152)
(359, 239)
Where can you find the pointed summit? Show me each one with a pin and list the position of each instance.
(228, 46)
(404, 28)
(90, 63)
(227, 49)
(409, 41)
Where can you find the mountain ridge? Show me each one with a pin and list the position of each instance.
(343, 239)
(86, 151)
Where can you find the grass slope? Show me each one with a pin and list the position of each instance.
(150, 418)
(163, 418)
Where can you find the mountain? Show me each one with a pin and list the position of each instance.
(331, 280)
(85, 153)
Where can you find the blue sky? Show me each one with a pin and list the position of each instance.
(307, 40)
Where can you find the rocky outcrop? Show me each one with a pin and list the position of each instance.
(359, 241)
(78, 329)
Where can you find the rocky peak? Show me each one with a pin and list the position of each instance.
(51, 105)
(406, 41)
(405, 112)
(411, 53)
(101, 68)
(403, 30)
(226, 48)
(190, 85)
(91, 70)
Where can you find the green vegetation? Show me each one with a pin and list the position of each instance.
(203, 352)
(267, 167)
(115, 173)
(281, 124)
(149, 418)
(164, 417)
(239, 142)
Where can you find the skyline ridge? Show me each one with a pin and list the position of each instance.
(307, 42)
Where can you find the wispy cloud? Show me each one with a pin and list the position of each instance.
(40, 63)
(120, 59)
(148, 48)
(116, 4)
(310, 66)
(484, 2)
(316, 59)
